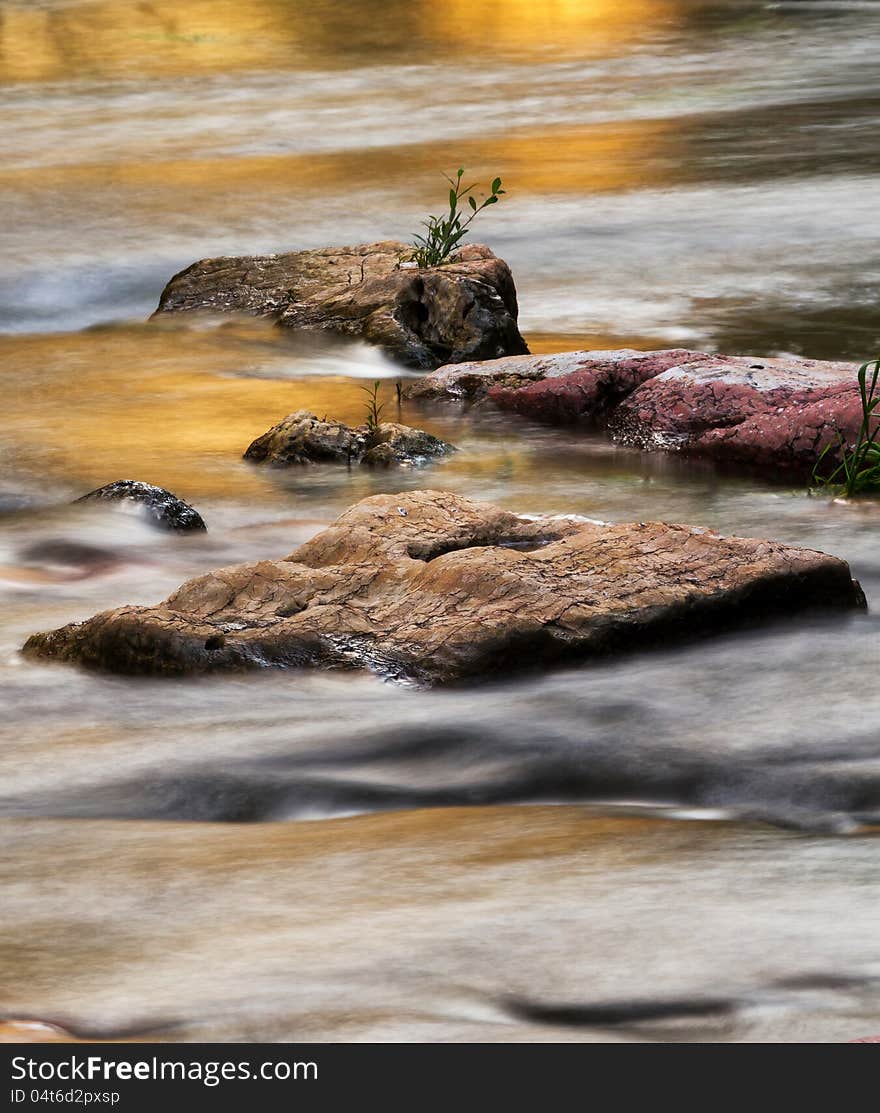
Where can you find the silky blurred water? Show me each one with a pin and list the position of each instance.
(699, 173)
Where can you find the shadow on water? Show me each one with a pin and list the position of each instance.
(606, 743)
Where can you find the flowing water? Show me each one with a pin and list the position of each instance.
(326, 855)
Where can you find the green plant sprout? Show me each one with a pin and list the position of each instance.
(858, 472)
(445, 233)
(374, 406)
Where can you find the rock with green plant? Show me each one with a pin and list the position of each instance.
(304, 438)
(464, 309)
(390, 443)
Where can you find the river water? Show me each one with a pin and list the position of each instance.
(329, 856)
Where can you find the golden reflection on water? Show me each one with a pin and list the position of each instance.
(177, 406)
(118, 38)
(168, 406)
(594, 157)
(129, 186)
(594, 25)
(40, 42)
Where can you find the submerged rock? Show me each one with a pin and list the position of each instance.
(776, 415)
(57, 559)
(392, 443)
(304, 438)
(157, 505)
(12, 501)
(436, 588)
(465, 309)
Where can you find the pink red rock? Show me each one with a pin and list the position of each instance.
(776, 414)
(590, 387)
(565, 386)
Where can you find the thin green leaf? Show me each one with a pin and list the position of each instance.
(443, 234)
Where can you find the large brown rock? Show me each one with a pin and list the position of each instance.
(463, 310)
(772, 415)
(433, 587)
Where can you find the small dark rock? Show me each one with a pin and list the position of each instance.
(303, 438)
(391, 443)
(159, 506)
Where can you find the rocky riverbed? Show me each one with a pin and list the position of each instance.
(671, 839)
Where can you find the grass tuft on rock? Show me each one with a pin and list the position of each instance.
(858, 472)
(445, 233)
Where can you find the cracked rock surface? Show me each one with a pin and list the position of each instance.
(436, 588)
(774, 415)
(563, 387)
(304, 438)
(463, 310)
